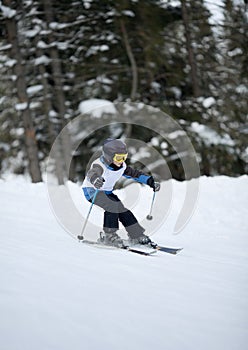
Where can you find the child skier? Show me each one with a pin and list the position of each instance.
(102, 176)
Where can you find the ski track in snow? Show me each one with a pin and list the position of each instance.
(56, 294)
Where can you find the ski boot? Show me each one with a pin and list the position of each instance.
(143, 240)
(110, 237)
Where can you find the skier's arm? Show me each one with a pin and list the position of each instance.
(135, 174)
(94, 175)
(141, 177)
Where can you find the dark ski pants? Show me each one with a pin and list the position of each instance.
(115, 212)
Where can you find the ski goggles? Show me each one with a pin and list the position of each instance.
(120, 157)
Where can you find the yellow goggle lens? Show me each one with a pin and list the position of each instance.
(119, 158)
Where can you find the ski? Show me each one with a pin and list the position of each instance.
(141, 252)
(168, 250)
(162, 248)
(129, 249)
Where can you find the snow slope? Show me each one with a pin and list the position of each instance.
(56, 294)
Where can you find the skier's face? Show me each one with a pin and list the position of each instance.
(119, 164)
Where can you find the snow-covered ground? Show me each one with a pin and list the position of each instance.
(56, 294)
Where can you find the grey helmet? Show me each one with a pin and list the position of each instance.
(111, 147)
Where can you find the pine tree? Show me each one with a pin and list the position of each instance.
(21, 90)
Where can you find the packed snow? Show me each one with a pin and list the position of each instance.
(58, 294)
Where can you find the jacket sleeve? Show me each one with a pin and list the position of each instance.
(95, 172)
(135, 174)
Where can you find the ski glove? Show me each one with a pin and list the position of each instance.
(94, 176)
(154, 185)
(98, 182)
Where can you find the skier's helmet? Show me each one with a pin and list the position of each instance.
(113, 147)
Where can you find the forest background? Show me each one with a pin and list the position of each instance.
(187, 58)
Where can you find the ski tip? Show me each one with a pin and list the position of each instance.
(173, 251)
(178, 250)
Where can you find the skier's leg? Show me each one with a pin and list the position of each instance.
(129, 221)
(110, 221)
(115, 211)
(111, 218)
(111, 206)
(134, 229)
(127, 218)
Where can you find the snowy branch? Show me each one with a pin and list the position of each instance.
(7, 12)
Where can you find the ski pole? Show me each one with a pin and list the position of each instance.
(149, 216)
(81, 237)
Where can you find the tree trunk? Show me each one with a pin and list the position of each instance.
(64, 154)
(47, 108)
(21, 87)
(132, 61)
(191, 57)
